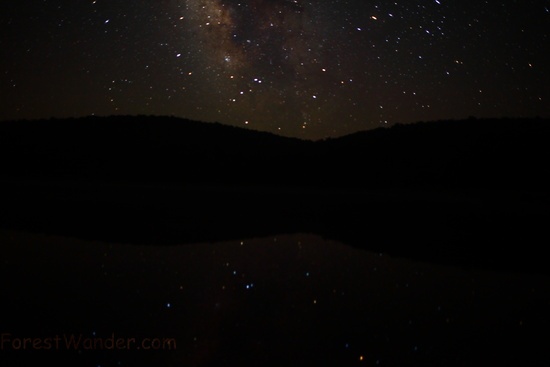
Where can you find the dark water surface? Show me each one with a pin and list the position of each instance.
(293, 300)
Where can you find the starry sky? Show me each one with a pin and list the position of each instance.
(309, 69)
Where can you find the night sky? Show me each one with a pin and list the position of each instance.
(310, 69)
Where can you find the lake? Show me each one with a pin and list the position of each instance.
(288, 300)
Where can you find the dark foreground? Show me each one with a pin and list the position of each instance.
(492, 229)
(180, 246)
(267, 277)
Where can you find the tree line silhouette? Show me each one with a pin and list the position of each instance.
(445, 190)
(472, 153)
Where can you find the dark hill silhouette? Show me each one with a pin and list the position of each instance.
(490, 153)
(484, 153)
(138, 150)
(453, 191)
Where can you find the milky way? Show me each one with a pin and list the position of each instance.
(293, 67)
(267, 57)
